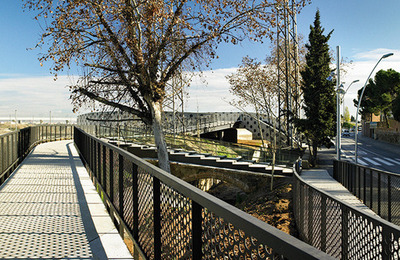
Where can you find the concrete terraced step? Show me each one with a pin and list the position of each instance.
(191, 157)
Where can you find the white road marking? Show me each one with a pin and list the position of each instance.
(360, 161)
(392, 161)
(383, 161)
(371, 161)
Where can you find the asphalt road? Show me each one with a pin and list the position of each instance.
(372, 153)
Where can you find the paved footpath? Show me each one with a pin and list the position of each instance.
(49, 209)
(320, 179)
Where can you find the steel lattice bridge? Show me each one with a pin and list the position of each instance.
(195, 123)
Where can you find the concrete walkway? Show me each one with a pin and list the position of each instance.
(49, 209)
(320, 179)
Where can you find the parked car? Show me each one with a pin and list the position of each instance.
(346, 132)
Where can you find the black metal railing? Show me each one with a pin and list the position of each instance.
(378, 189)
(167, 218)
(339, 229)
(14, 146)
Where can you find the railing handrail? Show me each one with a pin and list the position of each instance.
(279, 241)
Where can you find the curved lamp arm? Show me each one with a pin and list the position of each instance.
(359, 102)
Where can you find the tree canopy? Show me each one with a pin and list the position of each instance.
(130, 49)
(318, 92)
(346, 115)
(380, 94)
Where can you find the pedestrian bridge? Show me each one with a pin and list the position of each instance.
(50, 208)
(214, 123)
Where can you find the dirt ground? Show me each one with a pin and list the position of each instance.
(8, 127)
(273, 207)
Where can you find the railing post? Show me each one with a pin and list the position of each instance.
(310, 216)
(135, 201)
(365, 187)
(379, 193)
(371, 175)
(388, 247)
(3, 167)
(345, 234)
(157, 218)
(301, 204)
(335, 173)
(104, 172)
(359, 181)
(389, 188)
(121, 185)
(323, 223)
(196, 231)
(94, 157)
(111, 158)
(98, 173)
(12, 148)
(8, 151)
(135, 207)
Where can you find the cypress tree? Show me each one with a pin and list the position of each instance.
(319, 126)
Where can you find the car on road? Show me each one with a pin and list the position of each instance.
(346, 132)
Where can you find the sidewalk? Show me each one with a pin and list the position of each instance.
(321, 178)
(50, 209)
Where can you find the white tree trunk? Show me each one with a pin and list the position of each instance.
(162, 152)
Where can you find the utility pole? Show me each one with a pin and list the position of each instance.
(338, 130)
(288, 68)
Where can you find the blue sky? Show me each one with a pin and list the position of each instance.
(365, 29)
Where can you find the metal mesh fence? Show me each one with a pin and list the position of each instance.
(170, 219)
(342, 230)
(15, 146)
(379, 190)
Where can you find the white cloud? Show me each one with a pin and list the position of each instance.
(35, 97)
(210, 92)
(215, 95)
(377, 54)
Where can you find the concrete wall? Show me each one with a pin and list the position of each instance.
(390, 135)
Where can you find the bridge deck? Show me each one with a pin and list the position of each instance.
(321, 180)
(50, 209)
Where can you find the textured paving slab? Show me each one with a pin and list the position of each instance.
(321, 179)
(45, 213)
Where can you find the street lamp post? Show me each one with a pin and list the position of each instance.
(338, 145)
(359, 102)
(16, 125)
(339, 95)
(354, 81)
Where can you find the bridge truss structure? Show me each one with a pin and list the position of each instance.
(288, 69)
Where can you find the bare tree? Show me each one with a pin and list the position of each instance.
(132, 48)
(255, 85)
